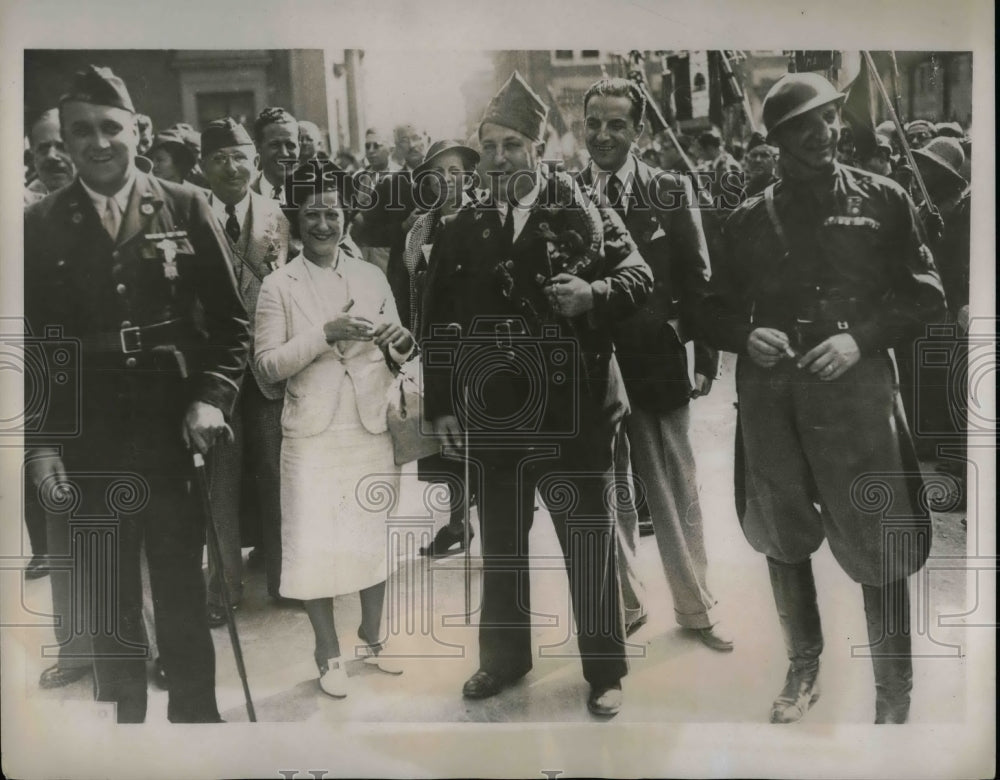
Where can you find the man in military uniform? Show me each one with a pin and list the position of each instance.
(824, 272)
(533, 278)
(658, 210)
(138, 273)
(257, 233)
(760, 165)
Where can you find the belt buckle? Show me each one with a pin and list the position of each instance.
(131, 340)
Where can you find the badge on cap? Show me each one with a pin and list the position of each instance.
(854, 205)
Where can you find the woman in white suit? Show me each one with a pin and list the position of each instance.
(326, 322)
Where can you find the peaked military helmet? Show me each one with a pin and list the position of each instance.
(793, 95)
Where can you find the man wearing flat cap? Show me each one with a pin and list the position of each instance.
(257, 234)
(135, 272)
(822, 274)
(522, 290)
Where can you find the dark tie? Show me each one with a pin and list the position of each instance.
(232, 224)
(507, 231)
(615, 190)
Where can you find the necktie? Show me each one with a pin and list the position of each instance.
(112, 218)
(507, 231)
(277, 193)
(232, 224)
(615, 190)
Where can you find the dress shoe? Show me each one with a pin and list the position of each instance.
(715, 637)
(160, 675)
(482, 685)
(216, 615)
(636, 624)
(333, 678)
(58, 676)
(376, 656)
(605, 700)
(801, 692)
(446, 542)
(37, 567)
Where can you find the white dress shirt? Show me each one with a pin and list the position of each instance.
(219, 209)
(523, 210)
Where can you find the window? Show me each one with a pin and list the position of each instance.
(579, 57)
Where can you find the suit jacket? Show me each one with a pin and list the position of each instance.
(291, 345)
(262, 248)
(79, 280)
(476, 278)
(666, 225)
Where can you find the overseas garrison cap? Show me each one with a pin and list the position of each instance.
(518, 107)
(222, 133)
(99, 86)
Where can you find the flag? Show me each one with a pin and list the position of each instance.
(858, 111)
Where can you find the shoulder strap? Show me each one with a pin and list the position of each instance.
(772, 213)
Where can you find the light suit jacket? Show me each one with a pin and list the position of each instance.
(291, 345)
(263, 247)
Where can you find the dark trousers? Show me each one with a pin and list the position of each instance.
(576, 482)
(255, 457)
(105, 596)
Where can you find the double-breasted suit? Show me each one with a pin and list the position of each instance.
(157, 323)
(245, 476)
(549, 390)
(661, 215)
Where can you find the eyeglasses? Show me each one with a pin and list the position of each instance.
(372, 145)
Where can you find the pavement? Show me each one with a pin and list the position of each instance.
(673, 677)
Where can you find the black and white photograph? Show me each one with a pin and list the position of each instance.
(388, 392)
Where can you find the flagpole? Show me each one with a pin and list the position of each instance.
(899, 129)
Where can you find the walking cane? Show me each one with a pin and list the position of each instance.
(468, 515)
(216, 554)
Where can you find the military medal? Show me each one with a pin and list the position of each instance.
(146, 207)
(168, 246)
(169, 249)
(853, 206)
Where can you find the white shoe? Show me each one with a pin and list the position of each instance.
(333, 681)
(375, 655)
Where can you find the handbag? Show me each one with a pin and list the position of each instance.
(411, 438)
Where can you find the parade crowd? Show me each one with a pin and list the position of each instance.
(239, 293)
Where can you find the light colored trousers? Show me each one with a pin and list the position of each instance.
(665, 473)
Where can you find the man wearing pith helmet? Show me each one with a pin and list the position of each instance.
(823, 273)
(534, 277)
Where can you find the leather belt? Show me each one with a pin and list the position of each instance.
(136, 339)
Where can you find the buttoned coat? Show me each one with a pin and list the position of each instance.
(291, 345)
(262, 248)
(663, 220)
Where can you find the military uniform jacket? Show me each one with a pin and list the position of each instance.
(88, 288)
(855, 262)
(525, 366)
(666, 226)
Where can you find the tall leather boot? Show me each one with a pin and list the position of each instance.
(795, 597)
(887, 609)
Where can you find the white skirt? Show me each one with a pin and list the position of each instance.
(337, 489)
